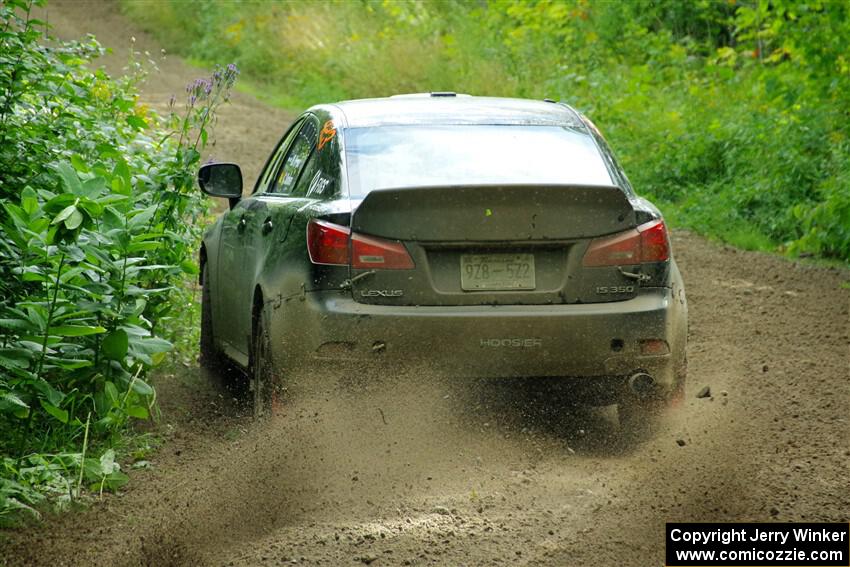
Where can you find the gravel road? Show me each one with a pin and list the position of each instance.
(408, 470)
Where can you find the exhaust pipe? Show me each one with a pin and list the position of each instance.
(641, 383)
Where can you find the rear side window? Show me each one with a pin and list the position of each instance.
(320, 178)
(274, 162)
(306, 178)
(293, 164)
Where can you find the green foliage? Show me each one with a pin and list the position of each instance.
(733, 112)
(98, 225)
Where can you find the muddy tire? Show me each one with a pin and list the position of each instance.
(210, 358)
(262, 371)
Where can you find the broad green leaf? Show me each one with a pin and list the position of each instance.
(142, 388)
(142, 218)
(74, 220)
(111, 393)
(15, 401)
(151, 345)
(138, 385)
(141, 304)
(92, 187)
(34, 346)
(136, 331)
(75, 253)
(56, 412)
(106, 151)
(122, 237)
(66, 214)
(70, 274)
(59, 202)
(107, 462)
(121, 175)
(115, 344)
(189, 267)
(15, 357)
(136, 122)
(112, 218)
(15, 506)
(110, 198)
(17, 325)
(76, 330)
(68, 364)
(92, 470)
(115, 480)
(29, 200)
(135, 290)
(79, 164)
(34, 277)
(143, 246)
(70, 179)
(139, 412)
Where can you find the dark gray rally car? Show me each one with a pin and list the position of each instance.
(481, 237)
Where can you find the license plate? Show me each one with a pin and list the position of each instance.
(496, 271)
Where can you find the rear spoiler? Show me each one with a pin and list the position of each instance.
(494, 212)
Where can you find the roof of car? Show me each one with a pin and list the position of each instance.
(451, 108)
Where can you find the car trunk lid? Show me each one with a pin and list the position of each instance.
(478, 245)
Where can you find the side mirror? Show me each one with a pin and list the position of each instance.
(221, 180)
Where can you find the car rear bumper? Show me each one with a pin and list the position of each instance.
(601, 339)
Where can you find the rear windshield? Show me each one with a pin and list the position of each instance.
(385, 157)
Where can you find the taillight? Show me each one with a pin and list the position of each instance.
(654, 242)
(620, 249)
(329, 243)
(646, 243)
(371, 252)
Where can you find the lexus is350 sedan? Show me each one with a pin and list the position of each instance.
(479, 237)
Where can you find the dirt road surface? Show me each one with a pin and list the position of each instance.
(406, 470)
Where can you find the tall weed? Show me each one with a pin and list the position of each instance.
(98, 225)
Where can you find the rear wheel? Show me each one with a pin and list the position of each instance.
(263, 375)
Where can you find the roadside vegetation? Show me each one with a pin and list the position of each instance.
(98, 228)
(732, 114)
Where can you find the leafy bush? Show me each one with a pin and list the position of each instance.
(732, 114)
(98, 225)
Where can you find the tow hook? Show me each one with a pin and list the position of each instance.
(348, 283)
(634, 276)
